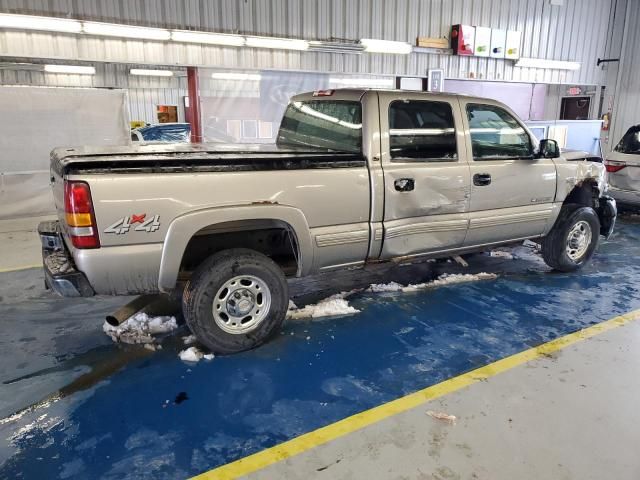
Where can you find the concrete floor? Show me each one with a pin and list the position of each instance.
(75, 405)
(571, 416)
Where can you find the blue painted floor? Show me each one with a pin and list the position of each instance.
(149, 415)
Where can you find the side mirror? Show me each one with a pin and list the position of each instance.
(549, 148)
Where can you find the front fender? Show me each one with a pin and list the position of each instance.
(183, 228)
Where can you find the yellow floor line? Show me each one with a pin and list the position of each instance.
(360, 420)
(17, 269)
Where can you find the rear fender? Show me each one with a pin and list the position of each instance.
(184, 227)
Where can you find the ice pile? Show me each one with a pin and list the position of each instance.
(140, 328)
(445, 279)
(194, 354)
(330, 306)
(501, 254)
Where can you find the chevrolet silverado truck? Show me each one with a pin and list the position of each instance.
(355, 176)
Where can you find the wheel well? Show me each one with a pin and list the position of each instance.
(273, 238)
(585, 193)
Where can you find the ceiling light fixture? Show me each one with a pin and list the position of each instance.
(372, 45)
(147, 72)
(30, 22)
(550, 64)
(125, 31)
(235, 76)
(280, 43)
(207, 38)
(77, 69)
(363, 82)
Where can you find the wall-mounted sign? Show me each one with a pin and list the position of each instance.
(435, 80)
(498, 41)
(512, 45)
(482, 42)
(574, 91)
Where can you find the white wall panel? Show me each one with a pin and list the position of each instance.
(574, 31)
(626, 110)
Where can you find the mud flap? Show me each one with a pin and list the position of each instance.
(607, 213)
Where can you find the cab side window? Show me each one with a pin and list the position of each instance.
(422, 131)
(496, 134)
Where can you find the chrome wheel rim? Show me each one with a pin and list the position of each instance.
(241, 304)
(578, 240)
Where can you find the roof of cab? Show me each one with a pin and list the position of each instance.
(342, 93)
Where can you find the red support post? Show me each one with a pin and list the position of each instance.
(193, 114)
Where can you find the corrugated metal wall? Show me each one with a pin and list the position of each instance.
(145, 93)
(626, 110)
(573, 31)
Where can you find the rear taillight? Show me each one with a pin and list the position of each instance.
(79, 215)
(614, 166)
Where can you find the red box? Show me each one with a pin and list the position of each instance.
(463, 39)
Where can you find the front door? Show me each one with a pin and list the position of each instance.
(426, 175)
(512, 191)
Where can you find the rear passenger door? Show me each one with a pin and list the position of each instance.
(426, 175)
(512, 191)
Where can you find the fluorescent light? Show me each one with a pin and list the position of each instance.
(363, 82)
(385, 46)
(81, 70)
(235, 76)
(150, 72)
(281, 43)
(208, 38)
(543, 63)
(30, 22)
(125, 31)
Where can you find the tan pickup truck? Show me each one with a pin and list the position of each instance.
(356, 176)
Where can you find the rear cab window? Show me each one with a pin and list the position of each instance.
(630, 142)
(326, 124)
(421, 130)
(496, 134)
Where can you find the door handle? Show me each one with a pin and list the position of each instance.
(404, 184)
(481, 179)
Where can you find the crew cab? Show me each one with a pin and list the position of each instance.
(355, 176)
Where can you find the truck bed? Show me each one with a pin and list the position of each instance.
(197, 158)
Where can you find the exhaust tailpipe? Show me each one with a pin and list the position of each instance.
(130, 309)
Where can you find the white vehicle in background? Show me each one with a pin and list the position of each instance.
(623, 172)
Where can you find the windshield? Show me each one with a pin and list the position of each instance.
(334, 125)
(630, 143)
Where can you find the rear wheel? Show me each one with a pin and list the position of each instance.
(235, 300)
(573, 239)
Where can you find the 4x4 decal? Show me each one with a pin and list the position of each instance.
(141, 223)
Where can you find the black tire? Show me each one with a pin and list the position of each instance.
(211, 276)
(554, 245)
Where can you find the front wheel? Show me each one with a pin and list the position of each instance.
(573, 239)
(235, 300)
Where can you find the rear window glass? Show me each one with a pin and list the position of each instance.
(630, 143)
(422, 130)
(334, 125)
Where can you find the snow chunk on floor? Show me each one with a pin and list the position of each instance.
(189, 339)
(501, 254)
(445, 279)
(194, 354)
(450, 279)
(329, 307)
(140, 328)
(385, 287)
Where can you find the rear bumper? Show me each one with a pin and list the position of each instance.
(625, 197)
(60, 274)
